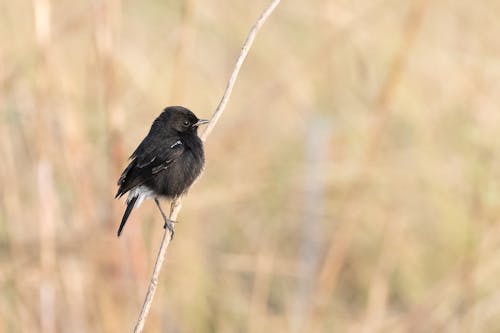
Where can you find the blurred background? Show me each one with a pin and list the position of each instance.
(352, 185)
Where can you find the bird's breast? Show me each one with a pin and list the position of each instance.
(180, 174)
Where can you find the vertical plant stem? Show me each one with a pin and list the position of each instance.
(176, 204)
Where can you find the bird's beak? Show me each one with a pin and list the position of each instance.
(201, 122)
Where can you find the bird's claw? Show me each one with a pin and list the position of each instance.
(169, 224)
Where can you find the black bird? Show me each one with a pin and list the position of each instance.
(166, 162)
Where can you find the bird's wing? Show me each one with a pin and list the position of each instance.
(147, 160)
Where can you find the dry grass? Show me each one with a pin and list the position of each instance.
(402, 234)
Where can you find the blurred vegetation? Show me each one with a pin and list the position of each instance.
(351, 186)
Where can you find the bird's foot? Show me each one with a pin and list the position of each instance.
(169, 224)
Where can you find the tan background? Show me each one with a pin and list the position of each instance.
(351, 186)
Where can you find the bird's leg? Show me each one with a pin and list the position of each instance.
(169, 224)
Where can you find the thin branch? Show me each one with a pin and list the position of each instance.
(232, 80)
(177, 204)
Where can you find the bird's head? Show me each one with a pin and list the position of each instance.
(181, 119)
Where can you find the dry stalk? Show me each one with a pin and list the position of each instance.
(176, 204)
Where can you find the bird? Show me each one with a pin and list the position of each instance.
(165, 163)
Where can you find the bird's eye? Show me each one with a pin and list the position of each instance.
(186, 123)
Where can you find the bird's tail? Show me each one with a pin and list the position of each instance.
(130, 206)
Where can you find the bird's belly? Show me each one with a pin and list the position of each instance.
(176, 179)
(140, 192)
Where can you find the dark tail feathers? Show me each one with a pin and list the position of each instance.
(130, 206)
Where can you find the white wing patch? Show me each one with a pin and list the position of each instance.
(176, 143)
